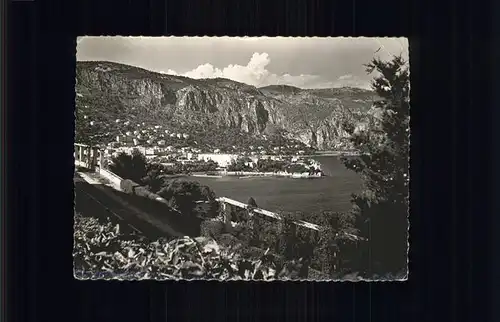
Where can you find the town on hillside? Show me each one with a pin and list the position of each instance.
(178, 153)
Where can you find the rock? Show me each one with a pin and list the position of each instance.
(314, 117)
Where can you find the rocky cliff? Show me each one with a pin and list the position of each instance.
(315, 117)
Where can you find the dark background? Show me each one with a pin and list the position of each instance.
(451, 204)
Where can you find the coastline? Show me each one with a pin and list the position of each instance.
(245, 174)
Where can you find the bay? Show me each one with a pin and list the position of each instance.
(332, 192)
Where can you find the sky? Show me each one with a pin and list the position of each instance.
(302, 62)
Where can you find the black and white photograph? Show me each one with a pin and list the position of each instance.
(242, 158)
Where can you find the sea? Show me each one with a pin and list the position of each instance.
(332, 192)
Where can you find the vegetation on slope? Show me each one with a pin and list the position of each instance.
(102, 251)
(379, 214)
(381, 211)
(234, 114)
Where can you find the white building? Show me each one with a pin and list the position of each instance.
(223, 160)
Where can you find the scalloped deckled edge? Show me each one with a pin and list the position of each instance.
(93, 276)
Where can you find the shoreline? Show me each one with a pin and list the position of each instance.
(244, 175)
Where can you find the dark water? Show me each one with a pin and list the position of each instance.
(307, 195)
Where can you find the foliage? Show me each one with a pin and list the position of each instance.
(91, 126)
(382, 209)
(133, 167)
(184, 195)
(252, 203)
(199, 166)
(212, 228)
(269, 165)
(240, 164)
(188, 197)
(297, 168)
(155, 177)
(101, 251)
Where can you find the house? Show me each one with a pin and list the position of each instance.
(179, 136)
(136, 132)
(161, 142)
(186, 136)
(172, 135)
(223, 160)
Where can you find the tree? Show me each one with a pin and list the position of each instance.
(184, 196)
(133, 167)
(211, 199)
(381, 209)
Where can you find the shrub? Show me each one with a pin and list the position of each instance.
(101, 251)
(212, 228)
(382, 209)
(133, 167)
(184, 195)
(128, 186)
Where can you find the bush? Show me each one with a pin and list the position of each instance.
(128, 186)
(212, 228)
(133, 167)
(101, 251)
(184, 196)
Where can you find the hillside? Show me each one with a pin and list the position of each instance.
(216, 112)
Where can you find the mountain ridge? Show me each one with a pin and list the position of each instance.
(315, 117)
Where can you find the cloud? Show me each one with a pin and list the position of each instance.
(343, 77)
(255, 73)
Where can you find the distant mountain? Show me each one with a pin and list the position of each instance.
(219, 111)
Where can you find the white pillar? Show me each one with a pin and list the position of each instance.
(101, 159)
(80, 153)
(226, 209)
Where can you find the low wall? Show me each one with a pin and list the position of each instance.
(160, 208)
(111, 177)
(267, 213)
(130, 187)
